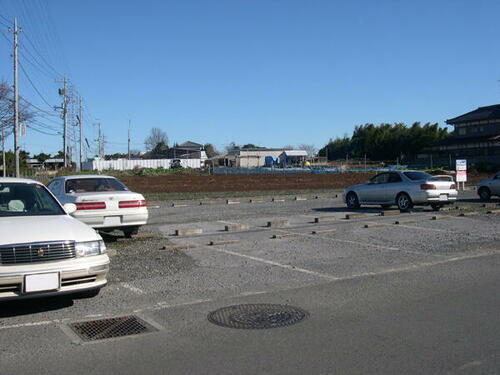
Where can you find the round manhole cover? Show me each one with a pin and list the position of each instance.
(257, 316)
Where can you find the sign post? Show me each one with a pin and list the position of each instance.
(461, 170)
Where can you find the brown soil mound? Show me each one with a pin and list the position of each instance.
(206, 183)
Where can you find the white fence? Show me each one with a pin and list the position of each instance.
(124, 164)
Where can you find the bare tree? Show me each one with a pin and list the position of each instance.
(156, 136)
(7, 110)
(310, 149)
(231, 146)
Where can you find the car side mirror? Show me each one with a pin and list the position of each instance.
(69, 208)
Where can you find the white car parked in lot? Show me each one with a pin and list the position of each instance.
(102, 202)
(43, 250)
(488, 187)
(404, 189)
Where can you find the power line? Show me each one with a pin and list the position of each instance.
(33, 85)
(42, 57)
(40, 109)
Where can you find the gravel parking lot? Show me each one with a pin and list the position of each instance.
(176, 280)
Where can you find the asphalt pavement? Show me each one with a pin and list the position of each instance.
(416, 297)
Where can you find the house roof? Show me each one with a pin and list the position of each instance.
(254, 149)
(482, 113)
(295, 153)
(190, 144)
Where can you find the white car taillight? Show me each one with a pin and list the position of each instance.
(428, 187)
(132, 204)
(91, 206)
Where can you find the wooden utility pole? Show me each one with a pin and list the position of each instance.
(3, 154)
(128, 148)
(16, 102)
(80, 122)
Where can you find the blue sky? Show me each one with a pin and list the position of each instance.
(272, 73)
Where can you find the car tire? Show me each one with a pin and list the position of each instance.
(87, 294)
(436, 207)
(484, 193)
(404, 202)
(130, 231)
(352, 200)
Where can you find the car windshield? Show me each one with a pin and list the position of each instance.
(19, 199)
(417, 176)
(92, 185)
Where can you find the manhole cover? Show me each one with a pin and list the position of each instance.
(100, 329)
(257, 316)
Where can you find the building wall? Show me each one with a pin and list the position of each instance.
(253, 159)
(477, 128)
(124, 164)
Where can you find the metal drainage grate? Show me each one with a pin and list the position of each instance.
(110, 328)
(257, 316)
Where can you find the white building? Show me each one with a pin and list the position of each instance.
(125, 164)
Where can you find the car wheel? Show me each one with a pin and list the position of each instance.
(130, 231)
(436, 207)
(87, 294)
(404, 202)
(484, 193)
(352, 200)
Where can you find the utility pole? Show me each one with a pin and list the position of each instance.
(63, 93)
(80, 122)
(100, 149)
(16, 102)
(3, 153)
(128, 139)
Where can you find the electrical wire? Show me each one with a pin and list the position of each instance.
(33, 85)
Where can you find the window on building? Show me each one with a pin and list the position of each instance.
(461, 131)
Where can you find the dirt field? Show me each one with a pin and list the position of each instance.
(218, 183)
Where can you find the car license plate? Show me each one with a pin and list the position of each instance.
(443, 197)
(112, 221)
(41, 282)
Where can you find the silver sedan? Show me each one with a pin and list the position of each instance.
(488, 187)
(404, 189)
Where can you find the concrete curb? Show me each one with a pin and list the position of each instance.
(323, 219)
(236, 227)
(277, 223)
(188, 231)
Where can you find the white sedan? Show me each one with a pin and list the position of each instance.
(43, 250)
(102, 202)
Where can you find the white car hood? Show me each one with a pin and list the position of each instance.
(19, 229)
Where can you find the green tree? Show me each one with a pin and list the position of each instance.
(210, 150)
(41, 157)
(385, 141)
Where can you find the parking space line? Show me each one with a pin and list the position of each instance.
(442, 231)
(339, 240)
(382, 247)
(164, 305)
(273, 263)
(422, 228)
(133, 288)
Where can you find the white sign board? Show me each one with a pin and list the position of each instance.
(461, 169)
(461, 165)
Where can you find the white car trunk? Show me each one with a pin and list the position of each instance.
(111, 198)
